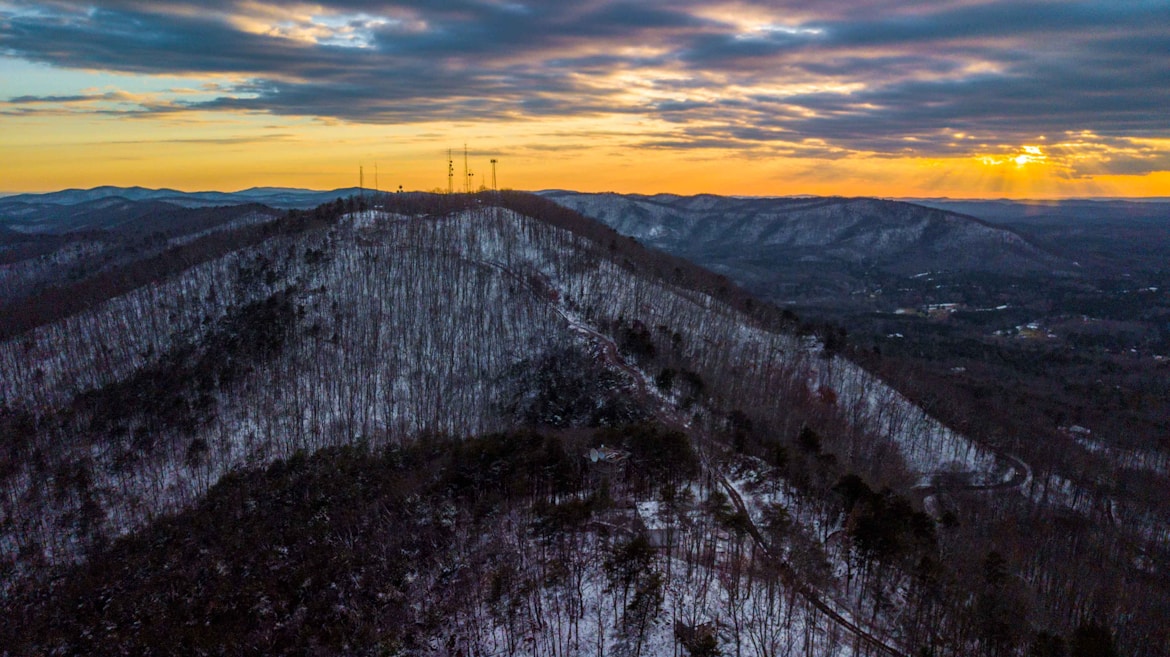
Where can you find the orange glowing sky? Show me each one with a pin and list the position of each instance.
(962, 98)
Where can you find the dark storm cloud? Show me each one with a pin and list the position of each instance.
(860, 75)
(989, 20)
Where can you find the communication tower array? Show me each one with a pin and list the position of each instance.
(468, 174)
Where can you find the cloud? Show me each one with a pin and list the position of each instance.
(42, 100)
(869, 76)
(216, 141)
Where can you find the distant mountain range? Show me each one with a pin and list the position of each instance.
(1014, 212)
(140, 210)
(766, 243)
(275, 197)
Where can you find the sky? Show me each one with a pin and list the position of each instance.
(926, 98)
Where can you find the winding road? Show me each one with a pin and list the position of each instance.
(1021, 476)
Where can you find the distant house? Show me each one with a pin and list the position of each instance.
(605, 455)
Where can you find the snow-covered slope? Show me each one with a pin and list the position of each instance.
(386, 328)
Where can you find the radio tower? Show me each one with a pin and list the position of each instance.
(494, 188)
(450, 173)
(466, 172)
(361, 182)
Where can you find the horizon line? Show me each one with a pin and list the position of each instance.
(1054, 199)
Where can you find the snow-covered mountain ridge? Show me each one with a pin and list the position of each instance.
(401, 327)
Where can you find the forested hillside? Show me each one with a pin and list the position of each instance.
(813, 249)
(377, 427)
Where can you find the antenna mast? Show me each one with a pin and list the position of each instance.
(494, 188)
(450, 173)
(361, 182)
(466, 171)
